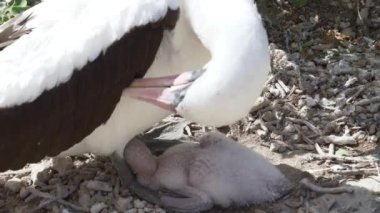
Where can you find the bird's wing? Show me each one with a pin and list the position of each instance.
(65, 72)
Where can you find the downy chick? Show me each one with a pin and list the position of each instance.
(216, 171)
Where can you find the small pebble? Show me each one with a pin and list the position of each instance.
(139, 203)
(276, 147)
(98, 207)
(131, 211)
(147, 209)
(123, 204)
(269, 116)
(14, 185)
(373, 139)
(99, 186)
(62, 164)
(84, 197)
(24, 193)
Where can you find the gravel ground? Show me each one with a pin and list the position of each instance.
(318, 117)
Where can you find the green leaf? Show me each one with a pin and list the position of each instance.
(343, 153)
(12, 9)
(300, 3)
(19, 9)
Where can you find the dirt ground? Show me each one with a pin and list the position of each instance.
(318, 118)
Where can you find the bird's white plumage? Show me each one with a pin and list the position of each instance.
(234, 34)
(228, 31)
(131, 117)
(67, 35)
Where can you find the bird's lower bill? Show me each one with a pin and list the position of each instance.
(165, 92)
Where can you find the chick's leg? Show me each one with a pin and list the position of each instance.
(128, 179)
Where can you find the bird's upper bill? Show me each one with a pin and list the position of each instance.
(166, 92)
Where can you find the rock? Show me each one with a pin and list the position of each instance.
(359, 136)
(349, 32)
(295, 138)
(98, 207)
(14, 185)
(373, 139)
(65, 211)
(139, 203)
(84, 197)
(24, 193)
(261, 133)
(55, 209)
(54, 181)
(340, 140)
(344, 24)
(350, 81)
(159, 210)
(149, 209)
(62, 164)
(277, 147)
(269, 116)
(123, 204)
(44, 176)
(99, 186)
(372, 129)
(369, 183)
(40, 171)
(131, 211)
(311, 102)
(364, 12)
(289, 128)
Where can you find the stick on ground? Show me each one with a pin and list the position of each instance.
(335, 190)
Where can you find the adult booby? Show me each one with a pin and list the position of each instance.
(66, 64)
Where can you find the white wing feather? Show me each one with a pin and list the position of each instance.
(65, 36)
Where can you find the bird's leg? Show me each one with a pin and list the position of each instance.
(129, 180)
(166, 92)
(191, 200)
(48, 198)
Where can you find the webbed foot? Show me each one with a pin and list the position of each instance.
(128, 179)
(186, 200)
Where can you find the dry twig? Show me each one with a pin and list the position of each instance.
(307, 123)
(341, 158)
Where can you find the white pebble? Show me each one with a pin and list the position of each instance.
(311, 102)
(14, 184)
(274, 147)
(373, 139)
(99, 186)
(98, 207)
(84, 197)
(24, 193)
(147, 209)
(159, 210)
(123, 203)
(139, 203)
(131, 211)
(62, 164)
